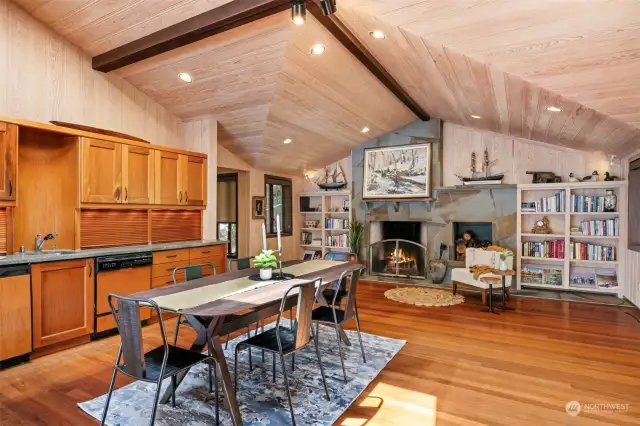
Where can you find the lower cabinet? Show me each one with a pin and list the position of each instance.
(62, 299)
(15, 316)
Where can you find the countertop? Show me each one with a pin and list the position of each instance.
(51, 256)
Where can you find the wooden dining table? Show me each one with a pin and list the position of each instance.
(221, 304)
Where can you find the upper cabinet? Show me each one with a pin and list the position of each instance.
(194, 180)
(137, 175)
(101, 171)
(168, 180)
(8, 160)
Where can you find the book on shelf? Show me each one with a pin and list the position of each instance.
(601, 228)
(553, 204)
(544, 276)
(587, 203)
(551, 249)
(331, 223)
(606, 278)
(587, 251)
(582, 280)
(341, 240)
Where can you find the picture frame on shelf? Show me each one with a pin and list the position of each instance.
(258, 210)
(308, 255)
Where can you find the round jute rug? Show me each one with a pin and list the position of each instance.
(423, 296)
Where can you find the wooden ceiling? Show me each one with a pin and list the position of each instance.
(508, 60)
(503, 60)
(263, 85)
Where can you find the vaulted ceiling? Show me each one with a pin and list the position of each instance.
(505, 61)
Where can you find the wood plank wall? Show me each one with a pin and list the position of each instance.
(515, 156)
(630, 274)
(44, 77)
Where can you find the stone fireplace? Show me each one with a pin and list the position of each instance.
(471, 234)
(398, 249)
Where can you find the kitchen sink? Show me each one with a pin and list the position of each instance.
(48, 252)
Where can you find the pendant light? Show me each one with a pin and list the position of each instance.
(298, 12)
(328, 7)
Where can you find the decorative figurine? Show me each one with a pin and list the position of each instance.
(484, 177)
(544, 177)
(572, 178)
(610, 178)
(610, 201)
(542, 227)
(592, 178)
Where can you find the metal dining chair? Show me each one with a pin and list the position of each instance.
(165, 361)
(287, 341)
(338, 285)
(334, 315)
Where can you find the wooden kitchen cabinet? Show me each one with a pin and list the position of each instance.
(15, 316)
(101, 171)
(8, 160)
(168, 178)
(194, 180)
(137, 175)
(62, 298)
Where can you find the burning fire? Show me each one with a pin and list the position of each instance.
(400, 257)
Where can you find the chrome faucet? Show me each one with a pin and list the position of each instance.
(40, 241)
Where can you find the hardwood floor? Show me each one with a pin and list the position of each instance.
(460, 366)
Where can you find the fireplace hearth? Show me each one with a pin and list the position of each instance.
(399, 253)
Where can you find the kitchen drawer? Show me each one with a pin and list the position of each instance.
(218, 262)
(209, 251)
(108, 323)
(171, 256)
(161, 281)
(166, 269)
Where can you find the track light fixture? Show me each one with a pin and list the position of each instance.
(298, 12)
(328, 7)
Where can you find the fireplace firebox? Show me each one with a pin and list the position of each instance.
(399, 253)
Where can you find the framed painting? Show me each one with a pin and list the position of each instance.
(259, 207)
(397, 172)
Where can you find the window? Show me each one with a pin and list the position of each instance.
(279, 196)
(227, 208)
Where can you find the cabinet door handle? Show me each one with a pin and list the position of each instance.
(172, 256)
(90, 269)
(117, 193)
(186, 196)
(10, 187)
(180, 196)
(126, 194)
(206, 252)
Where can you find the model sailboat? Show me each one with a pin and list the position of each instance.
(336, 180)
(477, 178)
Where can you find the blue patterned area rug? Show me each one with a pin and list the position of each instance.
(261, 401)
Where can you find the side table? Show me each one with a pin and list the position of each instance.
(504, 275)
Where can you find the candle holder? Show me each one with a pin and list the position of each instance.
(281, 275)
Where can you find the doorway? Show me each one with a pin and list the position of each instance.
(227, 212)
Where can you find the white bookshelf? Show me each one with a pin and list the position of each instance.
(561, 223)
(330, 206)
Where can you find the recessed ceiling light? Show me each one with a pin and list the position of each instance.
(377, 34)
(476, 116)
(553, 109)
(185, 77)
(365, 130)
(318, 49)
(287, 141)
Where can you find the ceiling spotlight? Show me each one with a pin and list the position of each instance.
(328, 7)
(318, 49)
(365, 130)
(476, 117)
(298, 12)
(185, 77)
(287, 141)
(553, 109)
(377, 34)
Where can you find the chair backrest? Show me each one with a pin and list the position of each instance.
(476, 256)
(307, 292)
(192, 272)
(336, 256)
(241, 263)
(128, 319)
(354, 277)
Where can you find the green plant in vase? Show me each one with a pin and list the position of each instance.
(356, 232)
(504, 255)
(267, 262)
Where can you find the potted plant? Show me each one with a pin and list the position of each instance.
(267, 262)
(356, 231)
(503, 259)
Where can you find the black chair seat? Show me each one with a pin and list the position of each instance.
(325, 314)
(179, 359)
(329, 293)
(268, 340)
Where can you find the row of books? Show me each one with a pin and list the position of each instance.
(587, 203)
(341, 240)
(600, 278)
(608, 227)
(330, 223)
(553, 249)
(586, 251)
(551, 204)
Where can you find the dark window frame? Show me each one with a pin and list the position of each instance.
(230, 177)
(271, 227)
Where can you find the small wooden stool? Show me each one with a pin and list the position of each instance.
(491, 281)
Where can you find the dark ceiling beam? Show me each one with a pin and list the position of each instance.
(215, 21)
(344, 35)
